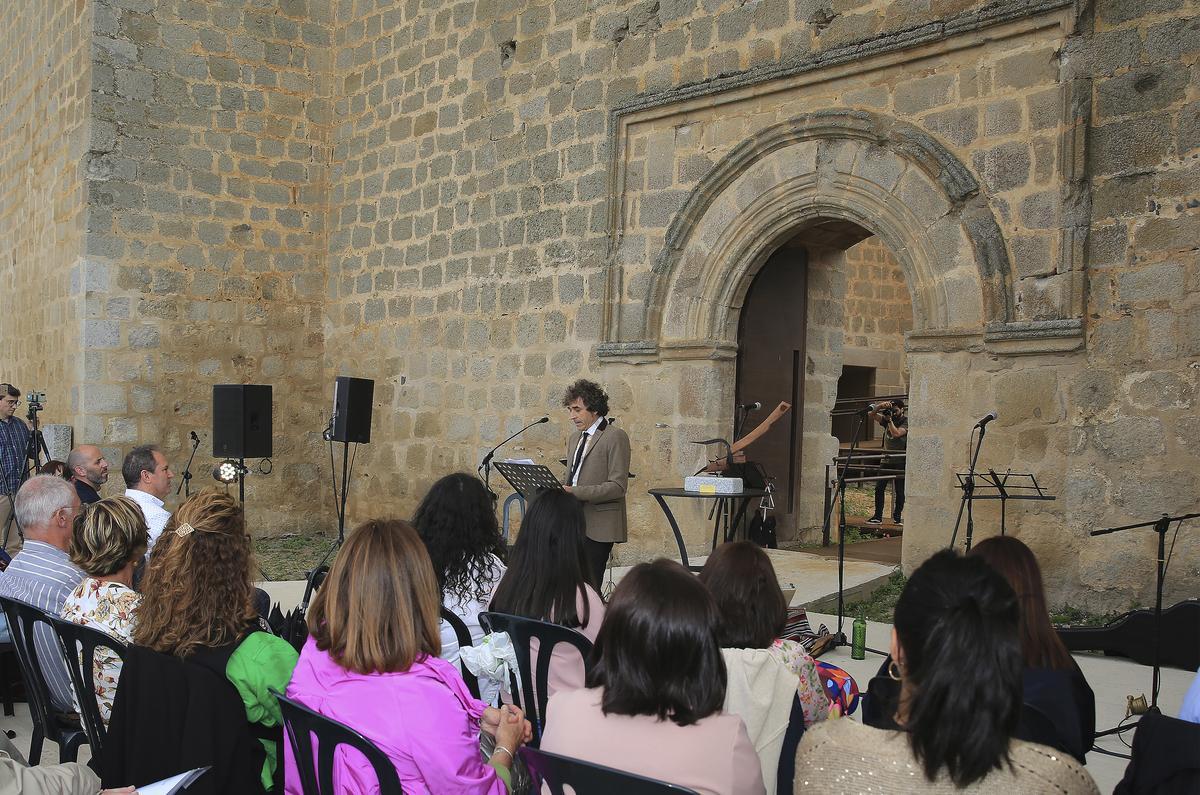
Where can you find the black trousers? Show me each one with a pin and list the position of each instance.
(597, 558)
(898, 506)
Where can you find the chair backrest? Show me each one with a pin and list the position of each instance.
(531, 694)
(302, 725)
(463, 635)
(1165, 758)
(584, 778)
(79, 648)
(23, 618)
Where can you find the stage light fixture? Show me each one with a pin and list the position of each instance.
(226, 472)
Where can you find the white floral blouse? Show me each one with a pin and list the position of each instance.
(110, 608)
(813, 699)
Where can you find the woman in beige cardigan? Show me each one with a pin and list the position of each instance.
(653, 700)
(957, 654)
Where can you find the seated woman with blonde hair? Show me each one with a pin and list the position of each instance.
(371, 662)
(198, 604)
(108, 539)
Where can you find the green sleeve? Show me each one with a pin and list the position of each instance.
(504, 773)
(261, 663)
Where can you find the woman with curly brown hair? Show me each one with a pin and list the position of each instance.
(198, 604)
(108, 539)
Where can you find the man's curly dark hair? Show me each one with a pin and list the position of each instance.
(594, 398)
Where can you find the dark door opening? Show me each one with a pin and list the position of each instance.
(855, 382)
(770, 369)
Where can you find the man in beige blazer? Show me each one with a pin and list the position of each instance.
(597, 471)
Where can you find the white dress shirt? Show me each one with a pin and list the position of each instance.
(152, 508)
(583, 440)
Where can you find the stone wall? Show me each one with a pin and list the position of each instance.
(45, 75)
(207, 187)
(475, 203)
(878, 312)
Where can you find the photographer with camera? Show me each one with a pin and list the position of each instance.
(892, 417)
(14, 448)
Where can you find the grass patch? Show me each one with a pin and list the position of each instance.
(881, 605)
(288, 556)
(1068, 616)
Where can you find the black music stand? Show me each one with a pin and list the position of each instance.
(994, 486)
(527, 479)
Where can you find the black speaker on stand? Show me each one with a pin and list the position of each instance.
(241, 426)
(350, 424)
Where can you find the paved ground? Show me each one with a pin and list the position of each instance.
(1112, 679)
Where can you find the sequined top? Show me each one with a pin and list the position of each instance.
(844, 756)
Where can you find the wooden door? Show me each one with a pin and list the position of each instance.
(770, 368)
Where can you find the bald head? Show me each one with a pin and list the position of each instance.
(87, 463)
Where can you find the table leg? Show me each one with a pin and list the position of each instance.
(674, 529)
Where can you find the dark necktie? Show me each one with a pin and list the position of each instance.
(583, 440)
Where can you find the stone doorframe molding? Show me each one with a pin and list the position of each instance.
(877, 172)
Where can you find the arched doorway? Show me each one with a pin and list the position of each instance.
(828, 167)
(857, 313)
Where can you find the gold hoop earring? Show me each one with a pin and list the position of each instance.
(893, 671)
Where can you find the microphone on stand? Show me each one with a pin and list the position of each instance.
(486, 464)
(755, 406)
(327, 434)
(185, 482)
(991, 415)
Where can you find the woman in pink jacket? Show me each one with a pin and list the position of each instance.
(371, 662)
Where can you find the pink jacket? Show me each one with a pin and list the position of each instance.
(424, 719)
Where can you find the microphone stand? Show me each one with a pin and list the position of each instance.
(1161, 526)
(485, 466)
(968, 487)
(186, 484)
(840, 488)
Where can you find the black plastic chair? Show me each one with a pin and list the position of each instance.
(301, 724)
(463, 635)
(584, 778)
(521, 630)
(47, 724)
(7, 653)
(1165, 758)
(79, 647)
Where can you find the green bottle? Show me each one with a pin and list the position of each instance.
(858, 649)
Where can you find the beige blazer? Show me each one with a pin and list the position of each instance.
(603, 477)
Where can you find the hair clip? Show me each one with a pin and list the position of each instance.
(184, 529)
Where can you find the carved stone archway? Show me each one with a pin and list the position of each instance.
(884, 175)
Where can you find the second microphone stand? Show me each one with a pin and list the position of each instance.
(968, 487)
(485, 466)
(1161, 526)
(186, 485)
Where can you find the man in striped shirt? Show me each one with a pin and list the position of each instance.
(14, 442)
(41, 574)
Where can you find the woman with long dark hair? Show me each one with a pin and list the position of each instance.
(457, 523)
(548, 579)
(653, 700)
(1059, 707)
(956, 651)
